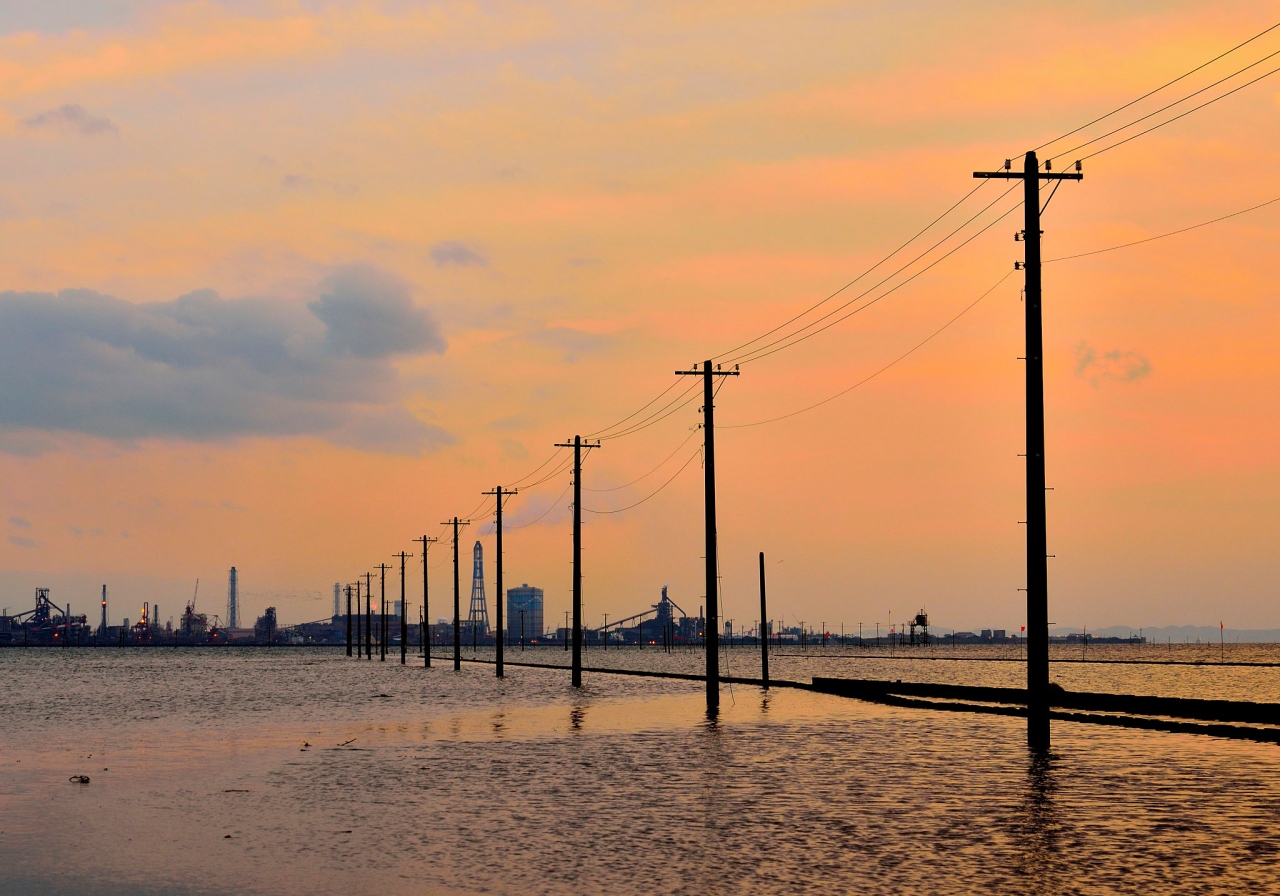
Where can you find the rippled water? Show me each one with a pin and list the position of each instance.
(459, 783)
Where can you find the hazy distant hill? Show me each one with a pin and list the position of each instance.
(1182, 634)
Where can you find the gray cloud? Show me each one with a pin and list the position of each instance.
(1113, 366)
(75, 118)
(20, 522)
(22, 541)
(368, 313)
(201, 367)
(456, 254)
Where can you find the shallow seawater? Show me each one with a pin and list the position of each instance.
(434, 781)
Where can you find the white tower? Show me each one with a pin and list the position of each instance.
(478, 617)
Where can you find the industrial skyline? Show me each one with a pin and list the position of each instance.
(550, 290)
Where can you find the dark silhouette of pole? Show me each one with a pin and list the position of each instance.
(404, 613)
(426, 614)
(359, 620)
(764, 639)
(498, 492)
(348, 620)
(577, 445)
(711, 635)
(368, 616)
(522, 631)
(1037, 523)
(457, 624)
(382, 631)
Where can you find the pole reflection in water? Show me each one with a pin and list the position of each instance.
(1041, 827)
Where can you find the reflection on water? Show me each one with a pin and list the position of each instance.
(1040, 825)
(429, 781)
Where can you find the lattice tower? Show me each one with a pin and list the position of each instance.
(478, 616)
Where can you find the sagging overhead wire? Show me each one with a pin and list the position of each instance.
(664, 462)
(819, 304)
(866, 379)
(653, 493)
(1152, 93)
(1071, 152)
(680, 401)
(888, 292)
(1155, 127)
(560, 468)
(654, 400)
(791, 338)
(1161, 236)
(534, 471)
(540, 516)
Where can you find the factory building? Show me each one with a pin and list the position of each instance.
(528, 600)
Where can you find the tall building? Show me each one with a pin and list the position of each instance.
(337, 610)
(529, 600)
(478, 617)
(233, 602)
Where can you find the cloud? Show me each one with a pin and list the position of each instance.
(570, 342)
(456, 254)
(368, 313)
(202, 368)
(1113, 366)
(514, 450)
(75, 118)
(22, 541)
(19, 522)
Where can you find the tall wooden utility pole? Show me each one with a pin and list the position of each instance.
(498, 493)
(712, 637)
(426, 613)
(382, 636)
(404, 612)
(457, 624)
(577, 445)
(1037, 527)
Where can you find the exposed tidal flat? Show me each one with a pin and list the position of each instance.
(303, 771)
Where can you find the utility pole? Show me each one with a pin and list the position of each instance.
(712, 636)
(382, 637)
(348, 620)
(577, 445)
(1037, 525)
(359, 633)
(426, 614)
(368, 616)
(404, 612)
(457, 624)
(764, 634)
(498, 492)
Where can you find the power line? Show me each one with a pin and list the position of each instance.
(1169, 106)
(1163, 235)
(814, 307)
(615, 488)
(919, 345)
(599, 432)
(890, 291)
(535, 469)
(658, 416)
(651, 494)
(1182, 115)
(1151, 93)
(760, 352)
(550, 507)
(552, 475)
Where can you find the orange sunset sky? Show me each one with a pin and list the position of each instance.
(287, 284)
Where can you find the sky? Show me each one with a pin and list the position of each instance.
(284, 286)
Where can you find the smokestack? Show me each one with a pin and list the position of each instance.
(233, 602)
